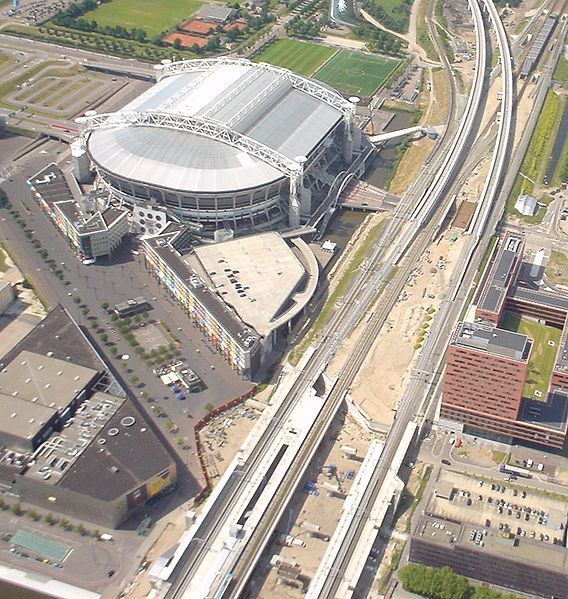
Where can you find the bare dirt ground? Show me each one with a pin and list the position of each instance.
(384, 374)
(222, 436)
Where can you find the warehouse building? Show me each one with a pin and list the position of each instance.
(225, 144)
(72, 442)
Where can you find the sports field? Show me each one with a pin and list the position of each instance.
(355, 72)
(144, 14)
(300, 57)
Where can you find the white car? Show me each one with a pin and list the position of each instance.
(88, 261)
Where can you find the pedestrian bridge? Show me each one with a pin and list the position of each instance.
(429, 131)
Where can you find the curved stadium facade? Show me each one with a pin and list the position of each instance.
(225, 144)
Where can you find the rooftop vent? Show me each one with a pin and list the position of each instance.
(49, 354)
(102, 441)
(128, 421)
(112, 432)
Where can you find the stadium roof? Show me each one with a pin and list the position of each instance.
(269, 105)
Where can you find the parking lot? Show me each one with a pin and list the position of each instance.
(506, 507)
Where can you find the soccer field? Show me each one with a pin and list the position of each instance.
(144, 14)
(355, 72)
(300, 57)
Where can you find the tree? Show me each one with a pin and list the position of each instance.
(104, 337)
(105, 305)
(77, 299)
(80, 528)
(16, 509)
(435, 583)
(177, 43)
(209, 407)
(48, 519)
(32, 514)
(113, 350)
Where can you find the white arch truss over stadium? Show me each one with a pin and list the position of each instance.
(206, 128)
(308, 86)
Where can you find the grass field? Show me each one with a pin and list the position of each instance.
(557, 268)
(561, 71)
(355, 72)
(543, 353)
(144, 14)
(300, 57)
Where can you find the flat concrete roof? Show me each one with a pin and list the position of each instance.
(130, 455)
(213, 303)
(256, 275)
(57, 334)
(493, 340)
(22, 418)
(550, 300)
(441, 531)
(497, 283)
(46, 380)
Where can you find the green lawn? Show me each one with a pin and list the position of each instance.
(543, 353)
(144, 14)
(356, 72)
(3, 261)
(561, 71)
(556, 270)
(300, 57)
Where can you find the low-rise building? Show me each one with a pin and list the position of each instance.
(496, 533)
(6, 295)
(71, 441)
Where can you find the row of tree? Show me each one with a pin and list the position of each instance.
(444, 583)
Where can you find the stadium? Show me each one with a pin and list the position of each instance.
(225, 144)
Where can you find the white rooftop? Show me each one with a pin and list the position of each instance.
(256, 275)
(263, 104)
(526, 205)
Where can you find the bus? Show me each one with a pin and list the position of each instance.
(514, 471)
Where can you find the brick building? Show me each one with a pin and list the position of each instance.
(487, 366)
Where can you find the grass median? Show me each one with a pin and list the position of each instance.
(341, 287)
